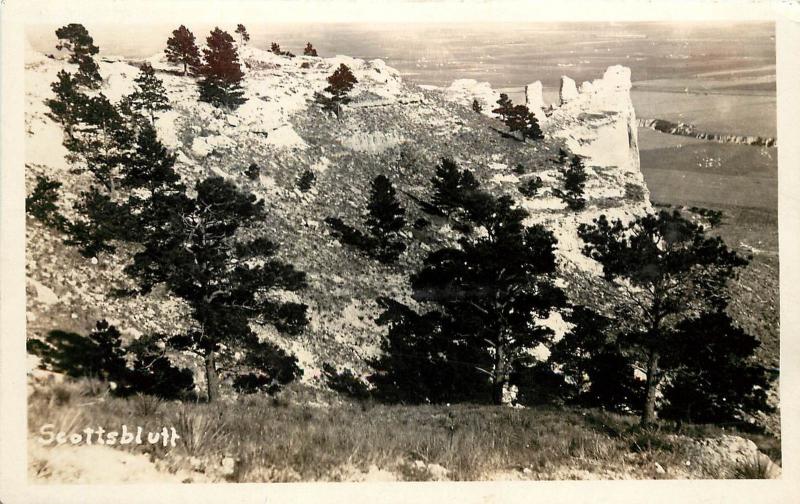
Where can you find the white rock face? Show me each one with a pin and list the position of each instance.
(567, 92)
(464, 91)
(534, 100)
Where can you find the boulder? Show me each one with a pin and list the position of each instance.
(534, 99)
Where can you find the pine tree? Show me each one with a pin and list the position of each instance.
(66, 107)
(76, 39)
(385, 219)
(309, 50)
(150, 96)
(574, 184)
(149, 166)
(244, 37)
(718, 380)
(340, 83)
(181, 49)
(42, 203)
(504, 107)
(666, 270)
(275, 48)
(476, 106)
(221, 84)
(490, 292)
(198, 251)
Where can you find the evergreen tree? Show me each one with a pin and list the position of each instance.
(340, 83)
(253, 171)
(596, 369)
(221, 84)
(452, 188)
(66, 107)
(476, 106)
(275, 48)
(199, 251)
(306, 180)
(666, 271)
(494, 288)
(520, 119)
(150, 96)
(385, 219)
(42, 203)
(530, 188)
(715, 377)
(76, 39)
(574, 184)
(504, 107)
(309, 50)
(149, 166)
(244, 37)
(102, 221)
(182, 50)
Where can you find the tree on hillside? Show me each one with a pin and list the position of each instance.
(244, 37)
(340, 83)
(518, 118)
(593, 364)
(504, 107)
(75, 39)
(200, 250)
(182, 50)
(489, 293)
(309, 50)
(42, 203)
(574, 184)
(67, 105)
(150, 96)
(666, 271)
(221, 84)
(385, 219)
(149, 166)
(476, 106)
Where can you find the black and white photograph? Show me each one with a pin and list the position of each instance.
(407, 251)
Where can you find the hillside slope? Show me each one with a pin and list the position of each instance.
(391, 128)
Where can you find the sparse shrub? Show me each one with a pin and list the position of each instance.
(253, 171)
(520, 169)
(41, 204)
(530, 188)
(752, 468)
(306, 181)
(309, 50)
(305, 65)
(422, 223)
(146, 405)
(200, 429)
(345, 382)
(714, 217)
(476, 106)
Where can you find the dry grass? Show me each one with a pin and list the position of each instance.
(281, 440)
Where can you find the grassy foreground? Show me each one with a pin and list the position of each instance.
(298, 438)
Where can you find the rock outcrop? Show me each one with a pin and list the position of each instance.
(567, 90)
(689, 130)
(534, 100)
